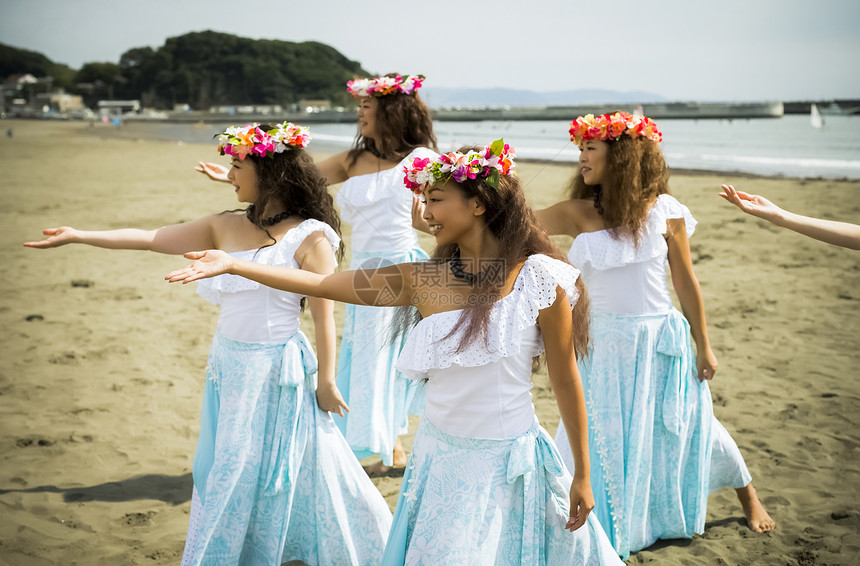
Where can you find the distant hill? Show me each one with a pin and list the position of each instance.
(203, 69)
(440, 97)
(16, 61)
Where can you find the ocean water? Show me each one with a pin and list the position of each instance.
(787, 146)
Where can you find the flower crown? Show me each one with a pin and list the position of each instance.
(491, 163)
(240, 141)
(382, 86)
(613, 126)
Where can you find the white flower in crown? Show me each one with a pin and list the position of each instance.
(490, 163)
(250, 139)
(382, 86)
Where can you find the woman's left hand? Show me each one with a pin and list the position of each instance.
(706, 364)
(581, 503)
(208, 264)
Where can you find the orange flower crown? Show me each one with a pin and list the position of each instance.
(612, 126)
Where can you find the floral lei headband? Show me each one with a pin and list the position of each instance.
(613, 126)
(491, 163)
(382, 86)
(240, 141)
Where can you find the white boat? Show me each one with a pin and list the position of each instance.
(815, 116)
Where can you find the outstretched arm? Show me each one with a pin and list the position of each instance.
(388, 286)
(174, 239)
(837, 233)
(556, 326)
(316, 256)
(690, 295)
(214, 171)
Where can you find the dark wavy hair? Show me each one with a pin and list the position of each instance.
(403, 122)
(514, 225)
(636, 174)
(291, 179)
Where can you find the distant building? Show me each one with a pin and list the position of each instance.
(18, 81)
(60, 101)
(314, 105)
(117, 107)
(258, 109)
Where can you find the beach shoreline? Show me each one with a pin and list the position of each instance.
(130, 131)
(103, 362)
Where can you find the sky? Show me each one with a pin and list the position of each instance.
(730, 50)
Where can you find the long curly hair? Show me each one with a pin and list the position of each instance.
(291, 179)
(515, 226)
(636, 173)
(403, 122)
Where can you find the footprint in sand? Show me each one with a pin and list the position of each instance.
(66, 358)
(33, 441)
(137, 519)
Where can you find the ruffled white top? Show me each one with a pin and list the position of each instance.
(622, 278)
(484, 390)
(251, 312)
(379, 208)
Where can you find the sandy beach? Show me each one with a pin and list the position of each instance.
(102, 366)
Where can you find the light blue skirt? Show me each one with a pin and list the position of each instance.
(489, 502)
(380, 400)
(274, 479)
(655, 448)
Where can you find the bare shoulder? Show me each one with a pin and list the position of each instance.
(334, 168)
(315, 242)
(571, 217)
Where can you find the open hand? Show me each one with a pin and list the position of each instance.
(751, 204)
(214, 171)
(56, 237)
(581, 503)
(207, 264)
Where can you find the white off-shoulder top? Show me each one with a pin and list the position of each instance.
(379, 208)
(251, 312)
(484, 390)
(625, 279)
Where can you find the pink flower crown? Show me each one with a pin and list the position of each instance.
(240, 141)
(613, 126)
(382, 86)
(490, 163)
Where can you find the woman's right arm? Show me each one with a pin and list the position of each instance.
(389, 286)
(174, 239)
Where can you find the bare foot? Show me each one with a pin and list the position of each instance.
(378, 470)
(757, 518)
(399, 459)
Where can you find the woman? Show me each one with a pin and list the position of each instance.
(394, 126)
(656, 448)
(484, 483)
(274, 479)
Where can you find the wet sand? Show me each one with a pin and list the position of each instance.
(103, 362)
